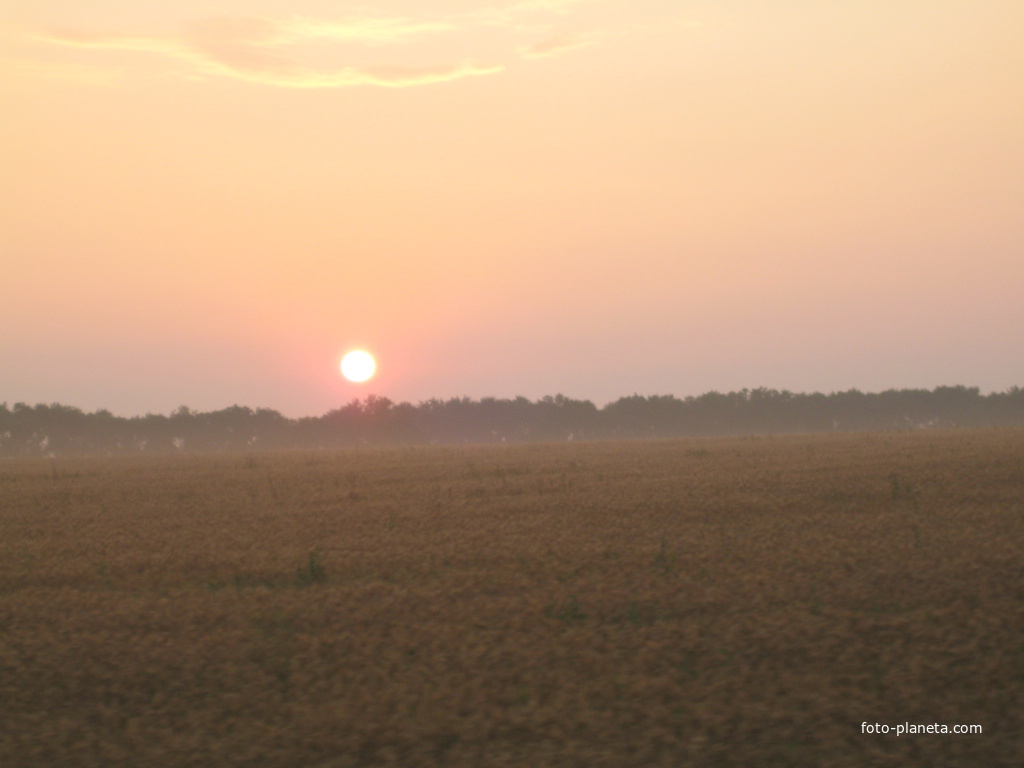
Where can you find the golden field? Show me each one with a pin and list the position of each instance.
(713, 602)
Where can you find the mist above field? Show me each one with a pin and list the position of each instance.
(56, 429)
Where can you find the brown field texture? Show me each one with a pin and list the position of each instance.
(714, 602)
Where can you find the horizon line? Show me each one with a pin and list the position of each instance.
(559, 397)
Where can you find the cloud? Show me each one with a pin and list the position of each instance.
(373, 30)
(302, 52)
(263, 51)
(557, 44)
(348, 77)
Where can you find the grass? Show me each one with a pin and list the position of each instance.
(727, 602)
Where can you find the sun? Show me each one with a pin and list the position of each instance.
(358, 365)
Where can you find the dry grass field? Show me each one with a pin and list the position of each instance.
(719, 602)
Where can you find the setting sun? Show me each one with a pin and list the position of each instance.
(358, 366)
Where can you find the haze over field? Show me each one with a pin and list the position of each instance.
(208, 203)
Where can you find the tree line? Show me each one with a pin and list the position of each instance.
(61, 429)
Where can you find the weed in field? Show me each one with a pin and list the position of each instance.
(569, 612)
(900, 488)
(313, 572)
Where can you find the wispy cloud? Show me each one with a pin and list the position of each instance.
(372, 30)
(302, 52)
(264, 51)
(348, 77)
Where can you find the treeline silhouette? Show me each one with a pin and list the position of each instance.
(60, 429)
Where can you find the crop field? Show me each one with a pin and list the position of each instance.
(714, 602)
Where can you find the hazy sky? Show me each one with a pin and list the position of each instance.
(207, 203)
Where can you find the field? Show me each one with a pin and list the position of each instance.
(718, 602)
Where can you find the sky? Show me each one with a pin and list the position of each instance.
(207, 202)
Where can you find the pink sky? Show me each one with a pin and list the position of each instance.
(208, 204)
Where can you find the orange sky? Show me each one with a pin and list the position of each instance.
(208, 203)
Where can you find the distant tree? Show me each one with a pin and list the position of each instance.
(59, 429)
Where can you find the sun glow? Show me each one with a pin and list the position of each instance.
(358, 366)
